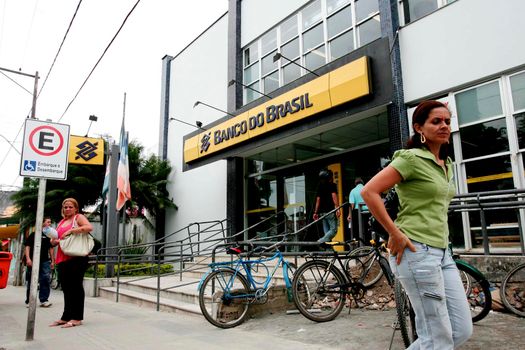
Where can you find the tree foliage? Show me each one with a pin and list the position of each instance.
(148, 179)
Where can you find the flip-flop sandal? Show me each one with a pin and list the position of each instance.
(57, 323)
(70, 325)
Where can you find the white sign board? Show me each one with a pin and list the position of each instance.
(45, 150)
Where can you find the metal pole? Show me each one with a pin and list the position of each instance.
(35, 270)
(36, 260)
(112, 221)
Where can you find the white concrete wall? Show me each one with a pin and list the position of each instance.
(199, 72)
(260, 15)
(463, 42)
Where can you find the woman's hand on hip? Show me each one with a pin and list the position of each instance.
(397, 244)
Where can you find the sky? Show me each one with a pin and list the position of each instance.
(30, 35)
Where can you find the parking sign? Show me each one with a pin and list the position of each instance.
(45, 150)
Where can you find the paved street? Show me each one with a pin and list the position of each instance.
(110, 325)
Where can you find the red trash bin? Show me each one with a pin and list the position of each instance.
(5, 262)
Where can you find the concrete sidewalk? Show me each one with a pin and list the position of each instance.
(110, 325)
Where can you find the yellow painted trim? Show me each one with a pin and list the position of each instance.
(344, 84)
(339, 236)
(493, 177)
(262, 210)
(98, 150)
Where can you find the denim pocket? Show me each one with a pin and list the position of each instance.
(430, 286)
(419, 255)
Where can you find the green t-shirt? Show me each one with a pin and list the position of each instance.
(424, 196)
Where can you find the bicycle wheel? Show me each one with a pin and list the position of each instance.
(224, 298)
(477, 291)
(405, 315)
(513, 290)
(319, 290)
(363, 266)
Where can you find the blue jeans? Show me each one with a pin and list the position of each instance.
(44, 281)
(432, 282)
(329, 228)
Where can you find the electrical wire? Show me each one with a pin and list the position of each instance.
(60, 48)
(14, 81)
(100, 59)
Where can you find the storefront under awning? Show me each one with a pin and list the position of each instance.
(9, 231)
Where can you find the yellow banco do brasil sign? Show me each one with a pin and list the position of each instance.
(86, 150)
(341, 85)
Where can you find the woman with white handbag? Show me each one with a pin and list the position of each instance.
(73, 232)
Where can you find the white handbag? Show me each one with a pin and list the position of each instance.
(78, 244)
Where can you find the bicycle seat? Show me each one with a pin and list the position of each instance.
(234, 250)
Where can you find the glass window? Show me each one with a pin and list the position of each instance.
(251, 54)
(340, 21)
(311, 14)
(269, 41)
(267, 64)
(291, 49)
(420, 8)
(517, 83)
(342, 45)
(289, 29)
(332, 5)
(291, 72)
(313, 37)
(271, 82)
(316, 58)
(489, 174)
(479, 103)
(369, 31)
(475, 139)
(520, 128)
(249, 94)
(365, 8)
(251, 73)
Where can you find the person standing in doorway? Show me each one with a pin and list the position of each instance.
(326, 201)
(47, 263)
(356, 202)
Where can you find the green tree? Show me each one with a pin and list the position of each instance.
(83, 183)
(148, 179)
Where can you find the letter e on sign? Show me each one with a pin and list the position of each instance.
(45, 150)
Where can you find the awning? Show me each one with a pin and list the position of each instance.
(9, 231)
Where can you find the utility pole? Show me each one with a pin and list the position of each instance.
(35, 269)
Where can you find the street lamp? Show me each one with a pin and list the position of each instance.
(92, 118)
(207, 105)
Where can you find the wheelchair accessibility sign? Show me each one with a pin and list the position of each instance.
(45, 150)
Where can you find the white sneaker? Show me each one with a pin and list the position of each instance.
(45, 304)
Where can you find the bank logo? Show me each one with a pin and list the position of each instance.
(205, 142)
(87, 150)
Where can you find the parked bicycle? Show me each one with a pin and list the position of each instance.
(512, 290)
(228, 290)
(477, 291)
(321, 285)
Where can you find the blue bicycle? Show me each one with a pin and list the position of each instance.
(228, 290)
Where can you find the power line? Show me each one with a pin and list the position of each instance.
(14, 81)
(60, 48)
(100, 59)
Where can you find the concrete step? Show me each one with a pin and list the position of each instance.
(149, 301)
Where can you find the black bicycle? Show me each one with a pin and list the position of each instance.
(512, 290)
(321, 285)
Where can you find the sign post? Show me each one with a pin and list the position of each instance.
(44, 155)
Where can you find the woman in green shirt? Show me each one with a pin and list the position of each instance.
(418, 239)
